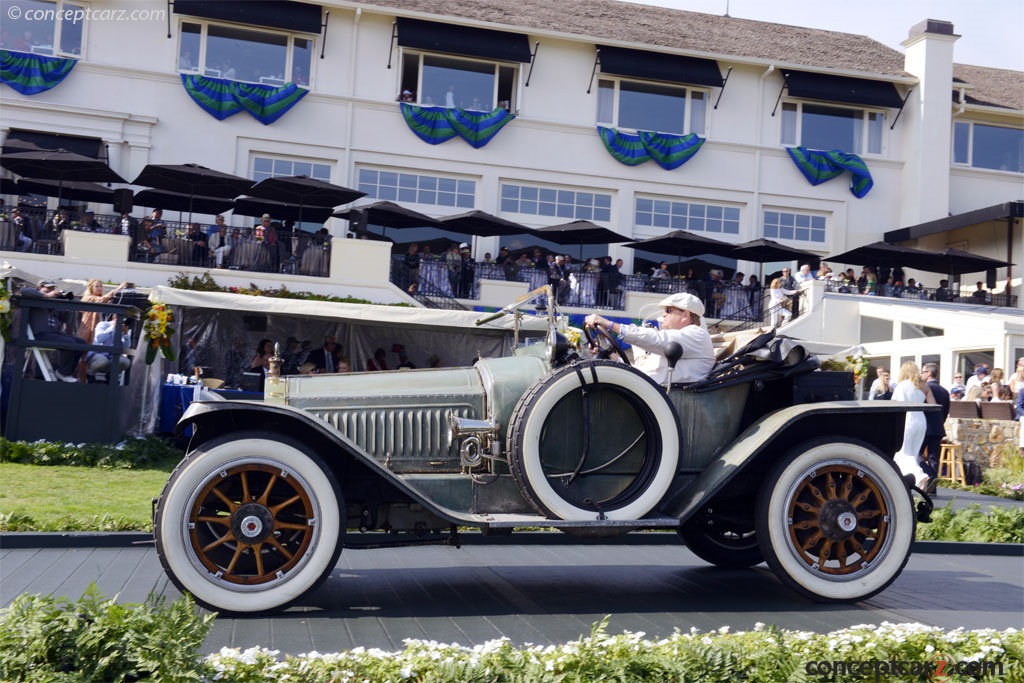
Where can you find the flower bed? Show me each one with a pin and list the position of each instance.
(96, 639)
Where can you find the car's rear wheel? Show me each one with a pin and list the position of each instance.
(835, 520)
(249, 522)
(594, 439)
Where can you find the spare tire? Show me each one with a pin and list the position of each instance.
(594, 440)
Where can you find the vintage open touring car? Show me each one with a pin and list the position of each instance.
(768, 459)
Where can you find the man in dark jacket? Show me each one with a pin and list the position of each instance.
(935, 428)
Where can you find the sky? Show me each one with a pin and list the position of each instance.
(990, 30)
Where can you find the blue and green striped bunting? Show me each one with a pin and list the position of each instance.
(819, 166)
(668, 151)
(435, 125)
(31, 74)
(671, 151)
(430, 124)
(221, 98)
(478, 127)
(627, 148)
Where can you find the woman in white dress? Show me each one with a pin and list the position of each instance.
(912, 389)
(779, 303)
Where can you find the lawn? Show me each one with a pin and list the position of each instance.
(58, 498)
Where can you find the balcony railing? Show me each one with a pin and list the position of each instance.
(940, 295)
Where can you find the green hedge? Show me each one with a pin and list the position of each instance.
(95, 639)
(129, 454)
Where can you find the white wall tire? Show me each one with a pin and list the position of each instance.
(248, 523)
(597, 438)
(835, 520)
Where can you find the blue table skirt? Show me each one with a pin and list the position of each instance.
(174, 399)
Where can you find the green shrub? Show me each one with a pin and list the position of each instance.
(44, 638)
(999, 525)
(129, 454)
(206, 283)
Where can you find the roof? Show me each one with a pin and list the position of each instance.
(675, 30)
(990, 87)
(995, 212)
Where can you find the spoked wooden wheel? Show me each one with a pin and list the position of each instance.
(840, 519)
(835, 520)
(249, 523)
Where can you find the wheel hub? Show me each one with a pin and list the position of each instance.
(252, 523)
(838, 520)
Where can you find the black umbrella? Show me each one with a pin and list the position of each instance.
(254, 206)
(59, 165)
(764, 250)
(483, 224)
(178, 201)
(959, 262)
(192, 180)
(579, 232)
(73, 189)
(388, 215)
(680, 243)
(951, 262)
(304, 191)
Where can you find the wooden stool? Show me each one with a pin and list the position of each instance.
(951, 463)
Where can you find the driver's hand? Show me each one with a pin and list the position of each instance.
(593, 320)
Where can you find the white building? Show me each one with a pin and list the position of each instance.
(940, 140)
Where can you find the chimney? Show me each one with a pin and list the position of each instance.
(927, 122)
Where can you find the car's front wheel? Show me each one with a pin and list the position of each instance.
(835, 521)
(249, 522)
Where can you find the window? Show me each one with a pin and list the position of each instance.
(645, 105)
(799, 227)
(556, 202)
(45, 28)
(418, 189)
(473, 84)
(245, 54)
(274, 167)
(665, 213)
(821, 126)
(982, 146)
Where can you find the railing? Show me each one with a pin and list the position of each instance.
(295, 253)
(939, 294)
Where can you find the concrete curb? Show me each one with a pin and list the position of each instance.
(32, 539)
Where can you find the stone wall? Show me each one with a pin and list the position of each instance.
(982, 439)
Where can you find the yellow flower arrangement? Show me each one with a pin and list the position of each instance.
(158, 330)
(858, 365)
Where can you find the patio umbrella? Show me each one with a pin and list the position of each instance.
(764, 250)
(579, 232)
(680, 243)
(59, 165)
(388, 215)
(192, 180)
(254, 206)
(78, 190)
(9, 186)
(178, 201)
(304, 191)
(483, 224)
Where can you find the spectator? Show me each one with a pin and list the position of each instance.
(661, 272)
(804, 274)
(1002, 394)
(56, 225)
(261, 360)
(128, 225)
(291, 357)
(958, 383)
(786, 280)
(344, 364)
(94, 295)
(979, 295)
(956, 394)
(220, 243)
(942, 293)
(935, 429)
(22, 230)
(878, 383)
(323, 358)
(412, 263)
(996, 378)
(100, 362)
(883, 392)
(403, 358)
(234, 363)
(89, 223)
(467, 274)
(199, 249)
(46, 326)
(780, 303)
(912, 389)
(1017, 379)
(558, 279)
(453, 263)
(979, 377)
(379, 360)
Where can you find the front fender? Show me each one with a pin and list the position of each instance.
(878, 423)
(215, 418)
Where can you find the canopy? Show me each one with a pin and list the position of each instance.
(59, 165)
(680, 243)
(254, 206)
(580, 232)
(368, 314)
(304, 191)
(388, 215)
(78, 190)
(177, 201)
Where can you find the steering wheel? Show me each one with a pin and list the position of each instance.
(606, 343)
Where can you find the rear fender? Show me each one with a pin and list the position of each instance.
(739, 469)
(348, 461)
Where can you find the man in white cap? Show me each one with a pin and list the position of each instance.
(681, 322)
